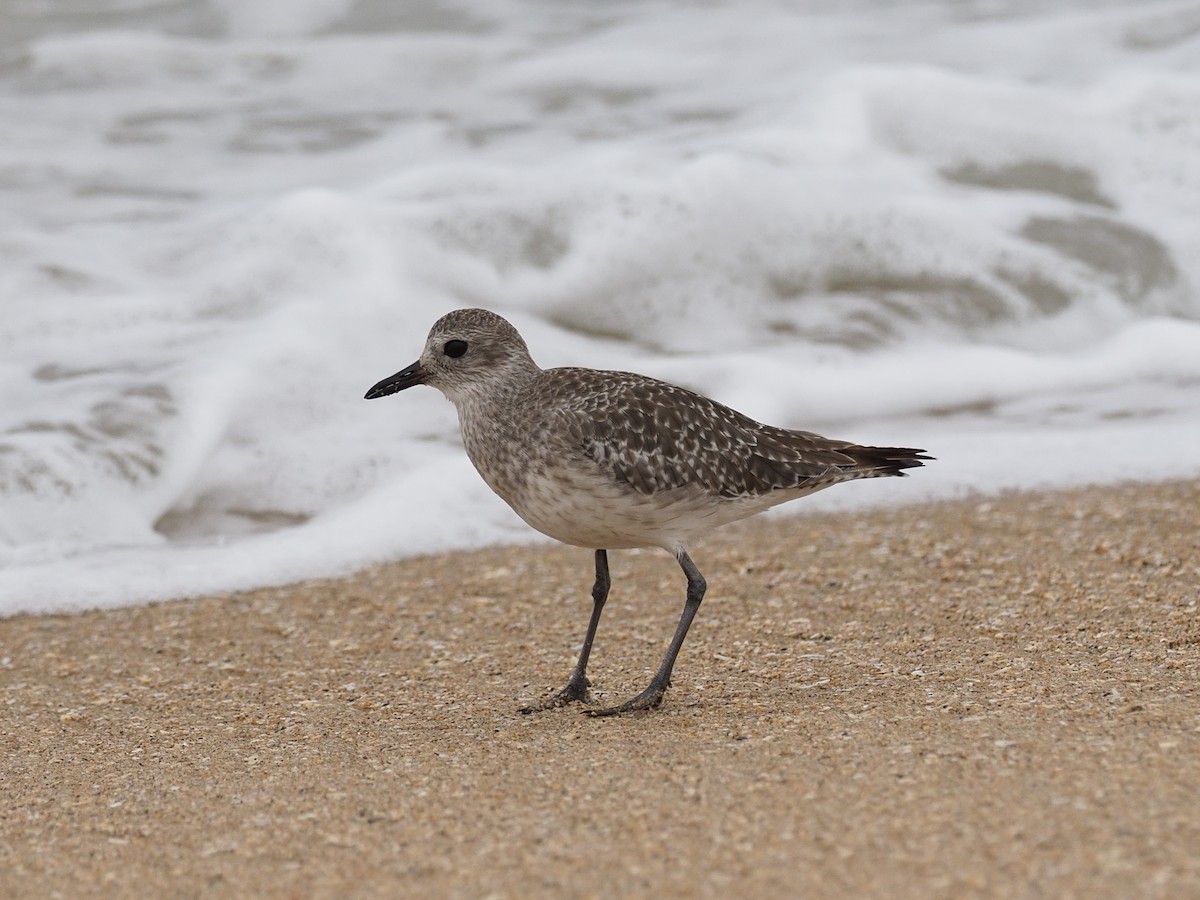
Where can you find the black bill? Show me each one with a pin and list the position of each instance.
(405, 378)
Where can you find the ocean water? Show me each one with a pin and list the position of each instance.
(967, 226)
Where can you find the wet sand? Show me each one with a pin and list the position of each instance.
(989, 697)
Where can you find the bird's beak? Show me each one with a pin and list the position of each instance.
(405, 378)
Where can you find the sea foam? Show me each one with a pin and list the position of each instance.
(967, 228)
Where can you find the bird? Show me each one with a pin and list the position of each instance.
(611, 460)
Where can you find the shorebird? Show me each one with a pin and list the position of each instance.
(613, 460)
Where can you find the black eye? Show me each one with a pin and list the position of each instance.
(455, 349)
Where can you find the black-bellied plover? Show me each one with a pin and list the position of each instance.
(613, 460)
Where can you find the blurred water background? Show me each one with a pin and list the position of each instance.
(967, 225)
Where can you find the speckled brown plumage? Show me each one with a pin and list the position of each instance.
(613, 460)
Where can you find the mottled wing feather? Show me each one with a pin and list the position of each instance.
(657, 437)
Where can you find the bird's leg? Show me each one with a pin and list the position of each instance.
(576, 690)
(652, 696)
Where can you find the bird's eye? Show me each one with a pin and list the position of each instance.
(455, 349)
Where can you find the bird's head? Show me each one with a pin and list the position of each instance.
(469, 353)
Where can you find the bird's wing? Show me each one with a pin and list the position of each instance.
(658, 437)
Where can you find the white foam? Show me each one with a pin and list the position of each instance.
(281, 18)
(892, 223)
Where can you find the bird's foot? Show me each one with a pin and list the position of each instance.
(576, 691)
(650, 698)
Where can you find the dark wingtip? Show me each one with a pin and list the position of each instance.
(892, 460)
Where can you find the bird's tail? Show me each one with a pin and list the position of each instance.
(879, 461)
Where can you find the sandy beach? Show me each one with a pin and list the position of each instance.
(986, 697)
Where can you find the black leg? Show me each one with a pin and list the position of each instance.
(652, 696)
(576, 690)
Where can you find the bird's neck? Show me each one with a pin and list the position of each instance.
(494, 400)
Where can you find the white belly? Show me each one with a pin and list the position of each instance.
(589, 511)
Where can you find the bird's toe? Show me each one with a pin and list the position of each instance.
(574, 692)
(651, 698)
